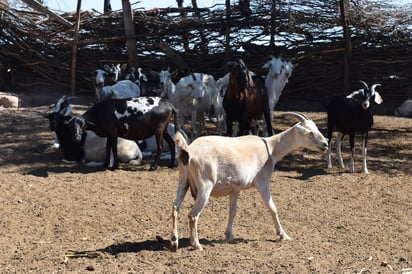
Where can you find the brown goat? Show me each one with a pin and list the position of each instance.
(246, 98)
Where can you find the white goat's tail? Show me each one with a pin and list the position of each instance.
(180, 141)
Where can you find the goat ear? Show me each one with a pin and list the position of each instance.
(378, 98)
(302, 129)
(267, 65)
(356, 92)
(107, 68)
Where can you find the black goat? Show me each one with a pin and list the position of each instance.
(72, 151)
(350, 116)
(134, 119)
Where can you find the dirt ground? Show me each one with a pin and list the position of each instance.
(69, 218)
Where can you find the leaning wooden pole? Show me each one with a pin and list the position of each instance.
(74, 48)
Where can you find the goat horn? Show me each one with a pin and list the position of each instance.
(300, 115)
(366, 85)
(374, 86)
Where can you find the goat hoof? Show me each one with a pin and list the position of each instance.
(285, 237)
(152, 168)
(174, 246)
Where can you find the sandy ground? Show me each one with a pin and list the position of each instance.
(69, 218)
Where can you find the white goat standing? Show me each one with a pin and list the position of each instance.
(276, 80)
(220, 166)
(193, 95)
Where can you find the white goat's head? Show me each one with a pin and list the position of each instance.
(308, 133)
(274, 65)
(288, 67)
(165, 81)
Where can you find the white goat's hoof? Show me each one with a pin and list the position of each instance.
(285, 237)
(198, 247)
(228, 237)
(174, 244)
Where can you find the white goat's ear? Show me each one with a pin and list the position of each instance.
(267, 65)
(302, 129)
(378, 98)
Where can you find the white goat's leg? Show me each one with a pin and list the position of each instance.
(200, 203)
(219, 120)
(364, 150)
(329, 158)
(182, 120)
(201, 125)
(180, 195)
(174, 238)
(338, 145)
(194, 117)
(264, 191)
(232, 213)
(352, 161)
(265, 128)
(235, 129)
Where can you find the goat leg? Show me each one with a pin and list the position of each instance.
(174, 239)
(352, 148)
(364, 150)
(338, 144)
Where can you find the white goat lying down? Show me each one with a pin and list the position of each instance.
(221, 166)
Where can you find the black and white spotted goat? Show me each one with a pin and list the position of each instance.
(91, 149)
(134, 119)
(351, 115)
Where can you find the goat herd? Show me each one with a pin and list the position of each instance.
(122, 124)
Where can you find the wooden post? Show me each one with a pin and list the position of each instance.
(273, 24)
(129, 31)
(107, 7)
(347, 59)
(227, 30)
(74, 48)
